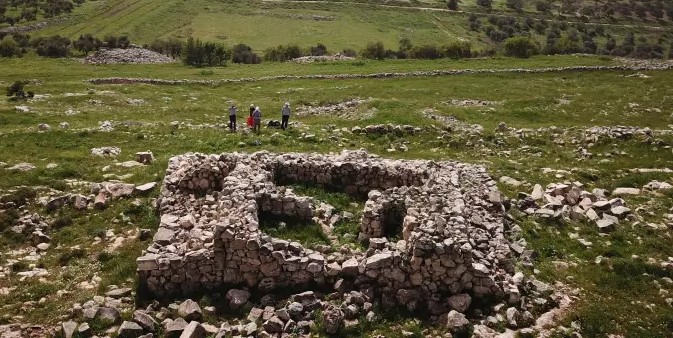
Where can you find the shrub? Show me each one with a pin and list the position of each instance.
(87, 43)
(15, 92)
(521, 47)
(172, 47)
(452, 4)
(209, 54)
(243, 54)
(54, 47)
(374, 50)
(282, 53)
(9, 48)
(404, 49)
(516, 5)
(543, 6)
(485, 3)
(425, 52)
(318, 50)
(349, 52)
(112, 41)
(457, 50)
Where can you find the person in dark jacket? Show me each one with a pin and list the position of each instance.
(257, 120)
(232, 118)
(252, 109)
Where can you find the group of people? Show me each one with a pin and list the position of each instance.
(255, 118)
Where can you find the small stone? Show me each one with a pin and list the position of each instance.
(193, 330)
(190, 310)
(237, 298)
(129, 330)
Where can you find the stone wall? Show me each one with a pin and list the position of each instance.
(209, 237)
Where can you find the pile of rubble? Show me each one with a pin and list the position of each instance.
(131, 55)
(381, 129)
(346, 109)
(473, 103)
(593, 134)
(453, 124)
(569, 201)
(452, 247)
(322, 58)
(106, 151)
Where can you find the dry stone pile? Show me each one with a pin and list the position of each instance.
(569, 201)
(450, 214)
(126, 56)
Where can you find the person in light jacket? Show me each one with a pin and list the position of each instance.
(285, 115)
(256, 119)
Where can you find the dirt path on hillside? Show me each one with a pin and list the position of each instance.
(636, 66)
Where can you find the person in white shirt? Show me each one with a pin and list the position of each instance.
(232, 118)
(256, 119)
(285, 115)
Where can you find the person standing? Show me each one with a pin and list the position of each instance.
(252, 109)
(285, 115)
(256, 119)
(232, 118)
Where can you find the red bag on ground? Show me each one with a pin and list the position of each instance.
(249, 122)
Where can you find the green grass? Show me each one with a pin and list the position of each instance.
(610, 292)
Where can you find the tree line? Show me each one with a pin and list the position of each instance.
(56, 46)
(17, 11)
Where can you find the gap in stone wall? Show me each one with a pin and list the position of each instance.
(392, 219)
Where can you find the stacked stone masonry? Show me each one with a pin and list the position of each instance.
(452, 227)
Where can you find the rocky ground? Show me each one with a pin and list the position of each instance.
(132, 55)
(585, 212)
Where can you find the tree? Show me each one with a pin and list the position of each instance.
(452, 5)
(9, 47)
(318, 50)
(405, 48)
(374, 50)
(516, 5)
(244, 54)
(457, 50)
(87, 43)
(521, 47)
(485, 3)
(543, 6)
(55, 46)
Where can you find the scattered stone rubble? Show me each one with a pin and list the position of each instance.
(106, 151)
(381, 129)
(132, 55)
(453, 124)
(322, 58)
(22, 167)
(346, 109)
(452, 249)
(569, 201)
(473, 103)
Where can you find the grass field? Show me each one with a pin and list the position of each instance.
(610, 292)
(263, 24)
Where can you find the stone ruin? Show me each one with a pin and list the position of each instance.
(450, 215)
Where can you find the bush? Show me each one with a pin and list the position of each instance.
(349, 52)
(516, 5)
(15, 93)
(543, 6)
(405, 48)
(521, 47)
(318, 50)
(54, 47)
(374, 50)
(457, 50)
(112, 41)
(425, 52)
(87, 43)
(485, 3)
(282, 53)
(9, 48)
(172, 47)
(452, 5)
(209, 54)
(243, 54)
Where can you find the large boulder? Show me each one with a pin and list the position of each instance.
(453, 321)
(190, 310)
(460, 302)
(193, 330)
